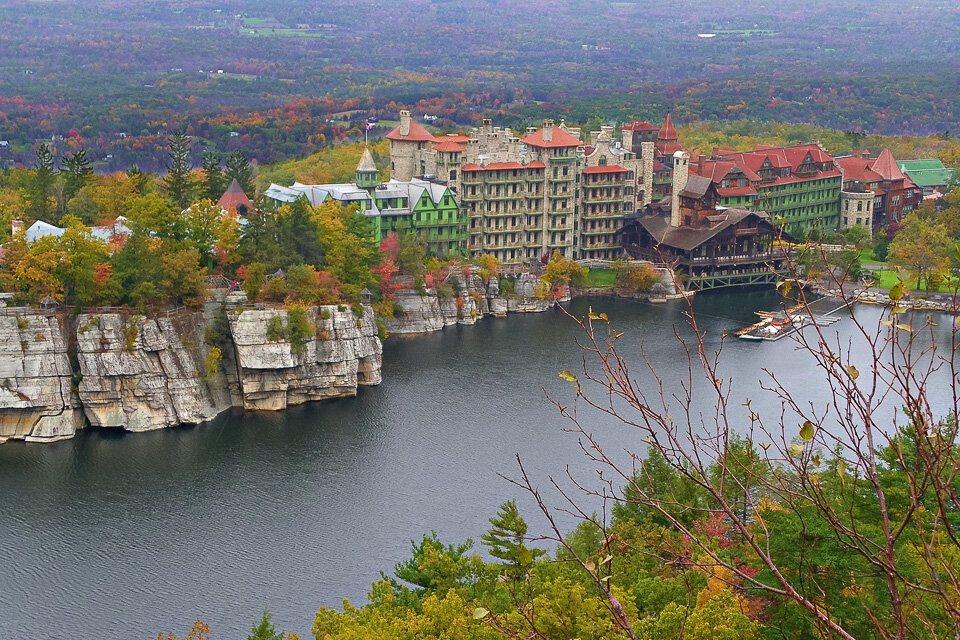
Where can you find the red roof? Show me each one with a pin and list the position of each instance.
(559, 138)
(233, 197)
(417, 134)
(887, 167)
(783, 157)
(667, 132)
(608, 169)
(448, 145)
(717, 170)
(639, 125)
(668, 148)
(858, 169)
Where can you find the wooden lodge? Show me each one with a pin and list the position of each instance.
(711, 248)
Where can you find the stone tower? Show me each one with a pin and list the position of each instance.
(646, 158)
(681, 169)
(411, 149)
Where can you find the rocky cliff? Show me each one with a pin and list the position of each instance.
(471, 300)
(37, 399)
(277, 368)
(139, 373)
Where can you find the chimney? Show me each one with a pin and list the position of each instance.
(547, 130)
(681, 169)
(16, 226)
(404, 122)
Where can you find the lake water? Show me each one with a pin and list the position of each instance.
(114, 535)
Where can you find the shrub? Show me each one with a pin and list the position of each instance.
(357, 310)
(488, 266)
(299, 328)
(22, 323)
(218, 333)
(561, 271)
(276, 330)
(212, 363)
(130, 333)
(255, 278)
(276, 290)
(634, 277)
(325, 313)
(445, 290)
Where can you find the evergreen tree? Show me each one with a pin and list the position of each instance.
(506, 538)
(264, 630)
(139, 179)
(214, 181)
(239, 169)
(41, 186)
(77, 172)
(178, 183)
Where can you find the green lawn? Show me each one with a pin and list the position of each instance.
(601, 277)
(889, 277)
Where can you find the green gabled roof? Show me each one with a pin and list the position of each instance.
(926, 173)
(914, 165)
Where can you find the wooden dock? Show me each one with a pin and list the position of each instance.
(774, 326)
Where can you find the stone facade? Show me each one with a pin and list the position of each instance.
(856, 207)
(532, 195)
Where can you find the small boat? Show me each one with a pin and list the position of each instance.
(749, 337)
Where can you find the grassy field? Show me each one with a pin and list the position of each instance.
(601, 278)
(890, 276)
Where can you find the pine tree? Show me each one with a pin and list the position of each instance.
(138, 178)
(506, 538)
(178, 183)
(77, 172)
(239, 169)
(214, 182)
(42, 185)
(264, 629)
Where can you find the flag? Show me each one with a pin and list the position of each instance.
(369, 126)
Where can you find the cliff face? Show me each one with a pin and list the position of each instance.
(342, 353)
(37, 401)
(472, 300)
(142, 374)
